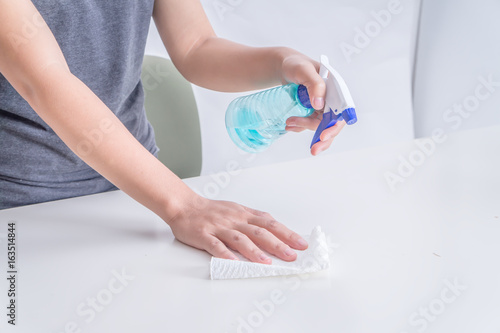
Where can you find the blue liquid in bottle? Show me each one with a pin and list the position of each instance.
(254, 122)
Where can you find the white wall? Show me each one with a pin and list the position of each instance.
(379, 72)
(459, 44)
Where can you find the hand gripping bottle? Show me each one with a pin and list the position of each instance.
(254, 122)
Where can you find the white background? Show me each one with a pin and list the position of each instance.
(459, 42)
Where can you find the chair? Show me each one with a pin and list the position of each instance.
(172, 111)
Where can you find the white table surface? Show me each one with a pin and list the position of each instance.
(394, 253)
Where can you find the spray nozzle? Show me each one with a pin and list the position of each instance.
(338, 101)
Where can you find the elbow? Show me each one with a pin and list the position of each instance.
(191, 63)
(41, 83)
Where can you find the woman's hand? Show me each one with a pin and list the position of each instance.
(300, 69)
(221, 226)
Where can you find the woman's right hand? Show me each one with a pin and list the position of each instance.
(219, 227)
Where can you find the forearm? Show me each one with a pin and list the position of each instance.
(219, 64)
(74, 112)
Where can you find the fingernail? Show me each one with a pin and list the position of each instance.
(302, 242)
(318, 102)
(234, 258)
(327, 137)
(263, 257)
(291, 122)
(289, 252)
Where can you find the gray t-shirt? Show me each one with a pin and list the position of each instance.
(103, 42)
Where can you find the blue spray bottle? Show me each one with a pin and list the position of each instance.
(254, 122)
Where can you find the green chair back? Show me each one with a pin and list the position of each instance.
(172, 111)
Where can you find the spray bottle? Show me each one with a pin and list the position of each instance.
(254, 122)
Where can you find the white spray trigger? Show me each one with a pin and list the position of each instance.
(338, 101)
(338, 98)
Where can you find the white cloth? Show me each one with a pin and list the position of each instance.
(314, 259)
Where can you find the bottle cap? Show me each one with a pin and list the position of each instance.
(303, 96)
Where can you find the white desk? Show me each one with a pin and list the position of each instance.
(393, 252)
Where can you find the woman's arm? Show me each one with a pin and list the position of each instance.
(36, 68)
(219, 64)
(38, 71)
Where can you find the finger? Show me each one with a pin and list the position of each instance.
(268, 242)
(292, 121)
(241, 243)
(320, 147)
(266, 221)
(279, 230)
(295, 129)
(316, 87)
(332, 132)
(217, 248)
(283, 233)
(326, 138)
(310, 123)
(256, 212)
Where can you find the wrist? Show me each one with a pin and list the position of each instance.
(182, 202)
(280, 56)
(291, 62)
